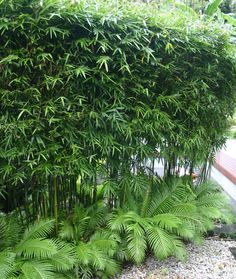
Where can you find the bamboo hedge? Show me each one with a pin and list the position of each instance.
(95, 92)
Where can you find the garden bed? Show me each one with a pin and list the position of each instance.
(212, 260)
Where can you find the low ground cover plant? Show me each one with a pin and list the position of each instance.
(94, 242)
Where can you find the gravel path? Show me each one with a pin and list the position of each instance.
(212, 260)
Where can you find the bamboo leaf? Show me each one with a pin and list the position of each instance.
(212, 7)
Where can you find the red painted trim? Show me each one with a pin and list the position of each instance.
(226, 165)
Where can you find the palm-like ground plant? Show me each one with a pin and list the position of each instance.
(159, 217)
(95, 246)
(31, 254)
(174, 211)
(97, 256)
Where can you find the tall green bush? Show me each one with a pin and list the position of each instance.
(95, 90)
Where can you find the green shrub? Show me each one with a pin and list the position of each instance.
(95, 246)
(98, 242)
(91, 96)
(92, 89)
(175, 211)
(31, 254)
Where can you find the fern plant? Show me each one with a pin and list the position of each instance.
(95, 246)
(96, 257)
(34, 256)
(212, 204)
(176, 210)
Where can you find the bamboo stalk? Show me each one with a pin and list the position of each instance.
(55, 203)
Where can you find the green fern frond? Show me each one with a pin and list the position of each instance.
(97, 259)
(136, 242)
(183, 208)
(138, 184)
(227, 215)
(85, 272)
(130, 201)
(198, 239)
(67, 231)
(167, 196)
(109, 187)
(37, 270)
(186, 230)
(105, 241)
(134, 217)
(117, 221)
(209, 212)
(166, 221)
(161, 203)
(91, 258)
(38, 248)
(88, 255)
(111, 268)
(179, 249)
(161, 242)
(84, 222)
(188, 212)
(205, 188)
(40, 229)
(10, 231)
(217, 200)
(65, 257)
(122, 252)
(212, 203)
(83, 251)
(2, 226)
(6, 264)
(97, 217)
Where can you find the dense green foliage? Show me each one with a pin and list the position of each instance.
(96, 90)
(91, 98)
(98, 241)
(175, 211)
(30, 254)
